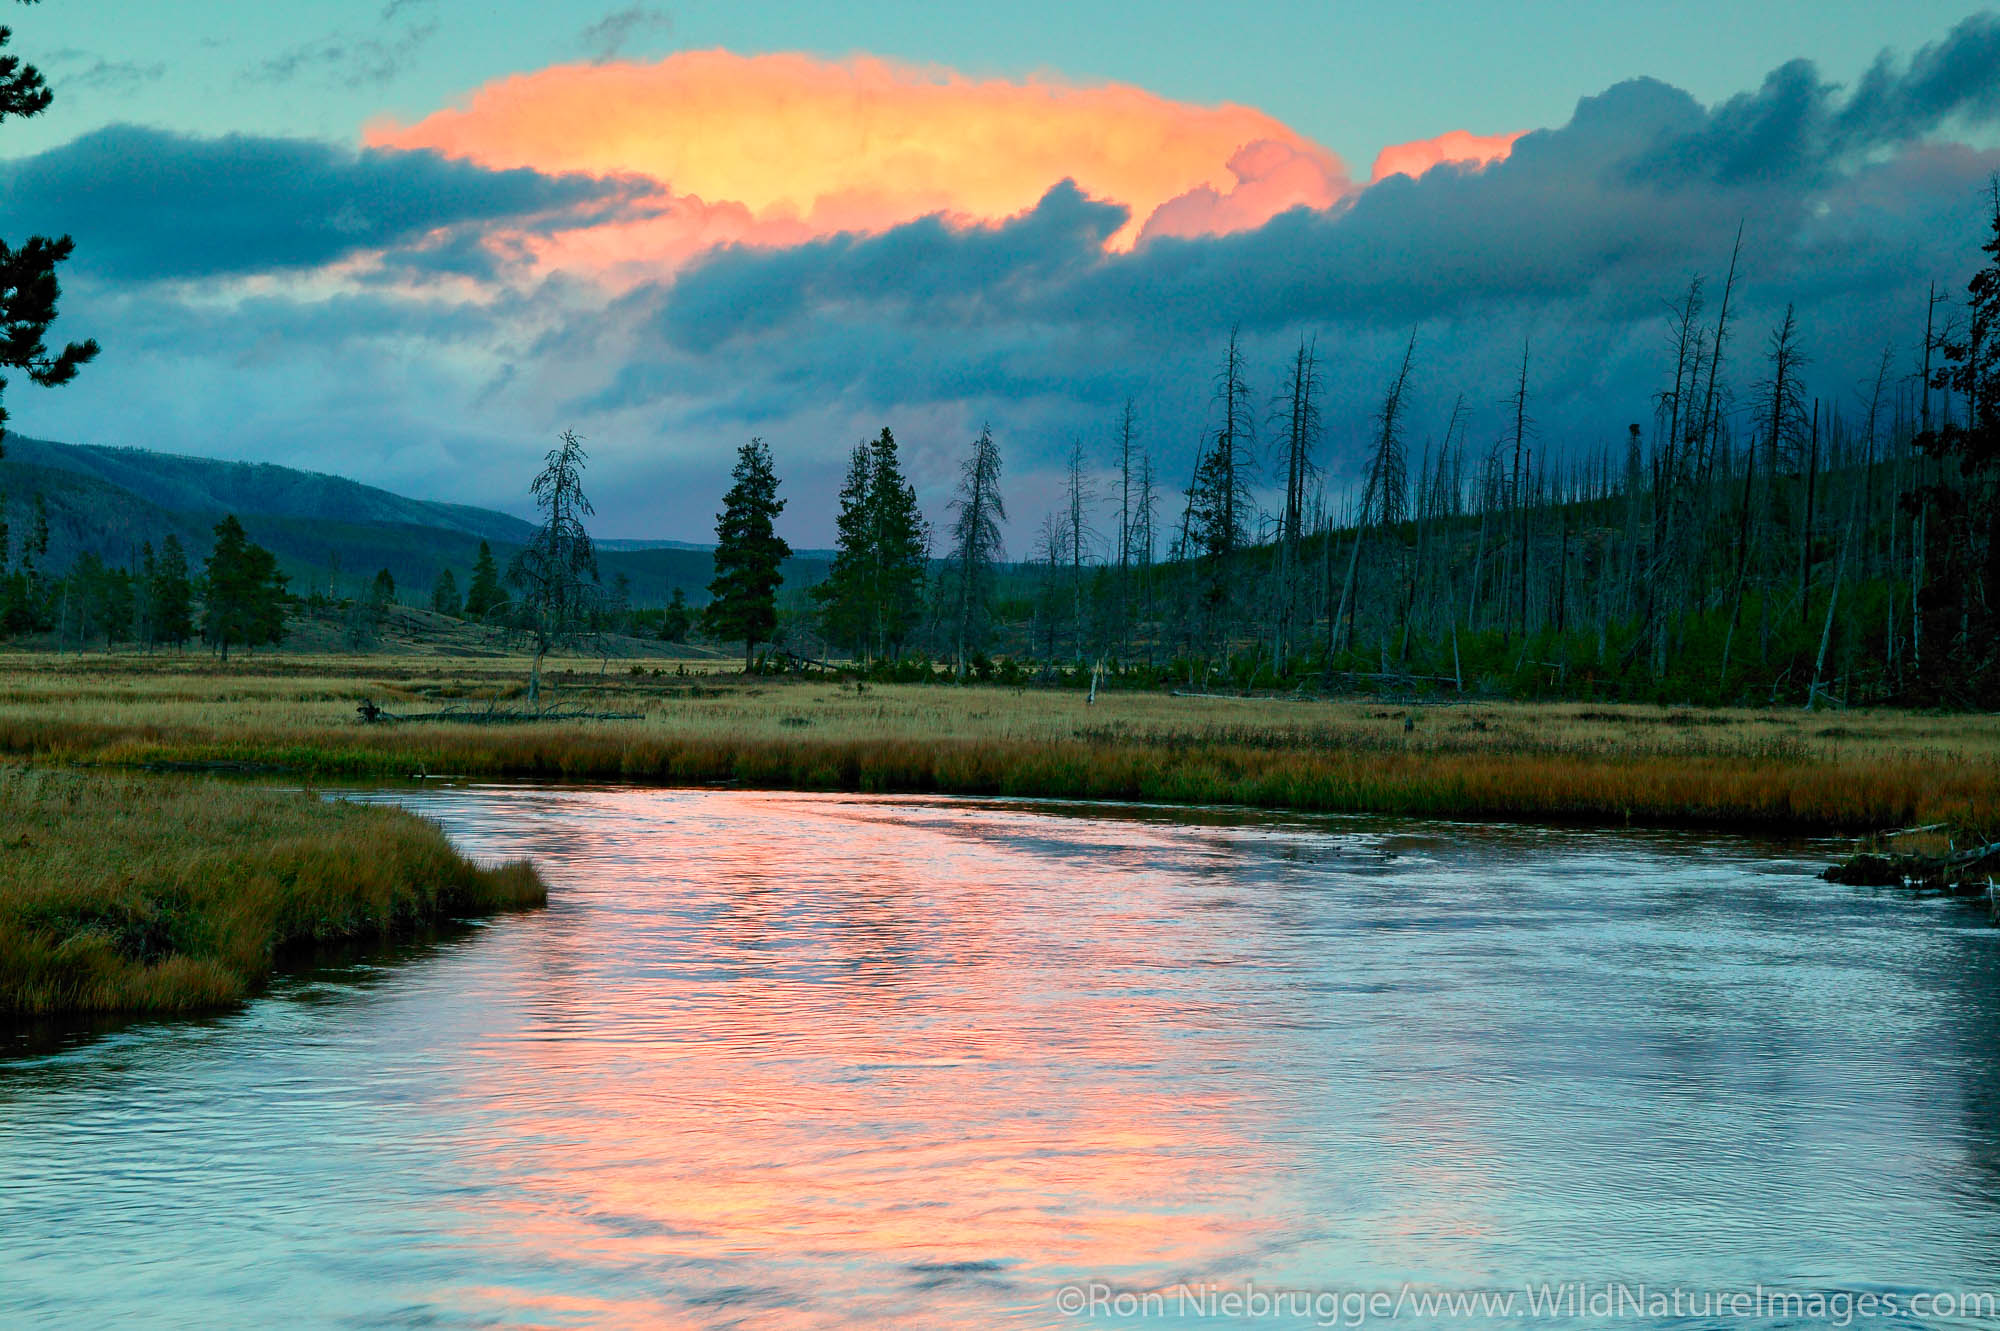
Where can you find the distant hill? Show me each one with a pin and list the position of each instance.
(207, 485)
(626, 543)
(327, 531)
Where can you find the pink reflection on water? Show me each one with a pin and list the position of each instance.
(880, 1064)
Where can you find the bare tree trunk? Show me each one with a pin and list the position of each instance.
(1341, 631)
(1806, 533)
(1515, 497)
(1125, 531)
(1742, 563)
(1832, 600)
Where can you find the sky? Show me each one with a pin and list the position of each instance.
(410, 240)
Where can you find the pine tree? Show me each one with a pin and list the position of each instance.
(1220, 499)
(1217, 519)
(873, 595)
(748, 552)
(170, 596)
(97, 602)
(142, 594)
(677, 621)
(617, 611)
(845, 613)
(444, 595)
(975, 540)
(28, 288)
(243, 594)
(901, 541)
(484, 593)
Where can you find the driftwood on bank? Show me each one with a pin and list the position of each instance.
(1970, 872)
(372, 715)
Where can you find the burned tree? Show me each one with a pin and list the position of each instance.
(555, 575)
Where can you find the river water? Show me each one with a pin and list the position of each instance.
(775, 1060)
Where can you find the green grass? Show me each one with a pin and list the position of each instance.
(1777, 770)
(130, 893)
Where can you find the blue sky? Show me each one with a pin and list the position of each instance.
(427, 317)
(1353, 76)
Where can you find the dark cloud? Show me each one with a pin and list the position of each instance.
(927, 270)
(1798, 127)
(82, 71)
(1956, 77)
(1576, 241)
(346, 59)
(607, 38)
(147, 204)
(1640, 187)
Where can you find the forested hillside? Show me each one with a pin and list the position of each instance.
(1765, 537)
(331, 535)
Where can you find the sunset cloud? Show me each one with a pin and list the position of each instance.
(1457, 146)
(782, 148)
(677, 255)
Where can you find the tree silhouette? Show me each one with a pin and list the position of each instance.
(484, 592)
(902, 544)
(243, 594)
(556, 574)
(873, 593)
(1959, 606)
(170, 596)
(748, 551)
(28, 287)
(975, 540)
(444, 595)
(844, 597)
(676, 621)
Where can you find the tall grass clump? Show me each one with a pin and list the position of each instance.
(128, 893)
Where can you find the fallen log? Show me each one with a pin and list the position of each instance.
(1970, 871)
(490, 716)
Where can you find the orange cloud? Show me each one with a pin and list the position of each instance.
(778, 148)
(1270, 178)
(1457, 146)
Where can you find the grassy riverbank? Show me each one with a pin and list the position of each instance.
(1779, 770)
(124, 892)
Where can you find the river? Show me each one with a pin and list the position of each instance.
(781, 1060)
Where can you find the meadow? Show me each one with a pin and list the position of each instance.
(1780, 770)
(125, 892)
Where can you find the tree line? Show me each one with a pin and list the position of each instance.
(1760, 539)
(237, 598)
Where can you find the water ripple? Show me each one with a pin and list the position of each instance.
(809, 1061)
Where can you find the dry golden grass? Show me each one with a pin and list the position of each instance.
(156, 893)
(1778, 770)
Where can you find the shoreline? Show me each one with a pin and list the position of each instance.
(1779, 771)
(146, 894)
(1698, 792)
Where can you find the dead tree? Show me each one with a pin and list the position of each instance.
(1383, 493)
